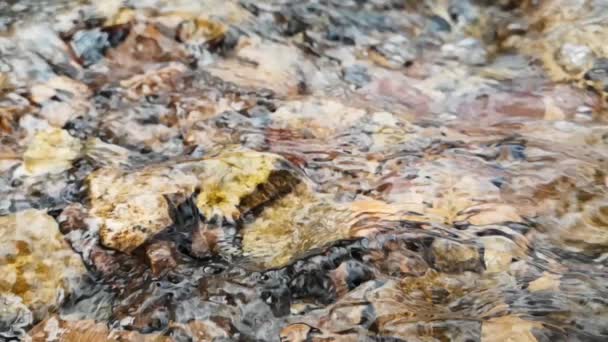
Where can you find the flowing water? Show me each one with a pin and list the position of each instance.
(319, 170)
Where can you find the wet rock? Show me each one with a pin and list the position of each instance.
(292, 227)
(137, 45)
(490, 214)
(61, 87)
(405, 191)
(51, 151)
(41, 50)
(154, 81)
(396, 53)
(133, 207)
(401, 263)
(439, 24)
(61, 99)
(321, 117)
(39, 267)
(233, 183)
(356, 75)
(15, 317)
(452, 256)
(599, 73)
(201, 330)
(574, 58)
(509, 328)
(499, 253)
(288, 76)
(349, 275)
(585, 229)
(90, 45)
(450, 330)
(103, 261)
(72, 218)
(161, 257)
(61, 330)
(313, 285)
(297, 332)
(200, 31)
(302, 224)
(469, 50)
(546, 282)
(207, 240)
(397, 94)
(105, 154)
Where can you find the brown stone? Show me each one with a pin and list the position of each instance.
(161, 257)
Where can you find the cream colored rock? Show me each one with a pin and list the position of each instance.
(106, 154)
(51, 151)
(484, 214)
(499, 251)
(322, 117)
(36, 264)
(254, 68)
(45, 91)
(509, 329)
(132, 207)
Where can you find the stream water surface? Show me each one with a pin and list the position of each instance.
(315, 170)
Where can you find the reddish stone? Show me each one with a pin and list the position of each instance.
(161, 257)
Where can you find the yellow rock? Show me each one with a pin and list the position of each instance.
(292, 227)
(200, 31)
(133, 207)
(36, 264)
(234, 182)
(51, 151)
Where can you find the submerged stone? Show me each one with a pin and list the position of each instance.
(574, 58)
(295, 226)
(452, 256)
(509, 328)
(63, 330)
(39, 268)
(133, 207)
(51, 151)
(233, 183)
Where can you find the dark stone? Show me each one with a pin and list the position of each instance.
(313, 285)
(599, 73)
(90, 45)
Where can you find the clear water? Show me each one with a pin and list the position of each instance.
(446, 158)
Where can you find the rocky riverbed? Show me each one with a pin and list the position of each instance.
(359, 170)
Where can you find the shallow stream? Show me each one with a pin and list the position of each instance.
(319, 170)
